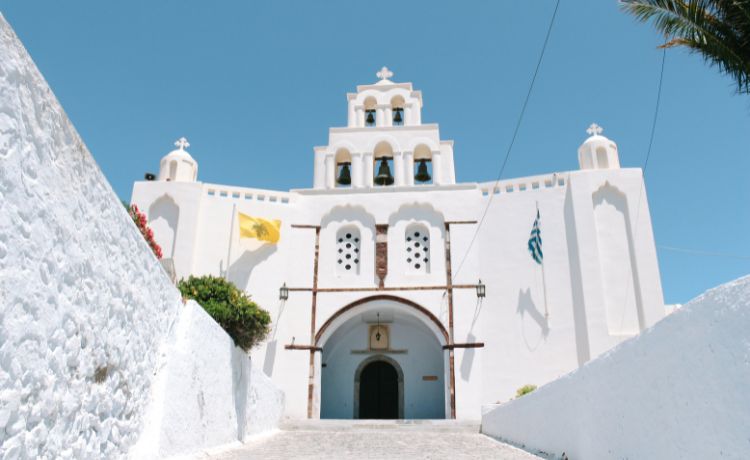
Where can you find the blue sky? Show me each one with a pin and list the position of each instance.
(255, 85)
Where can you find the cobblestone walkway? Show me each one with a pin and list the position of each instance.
(338, 439)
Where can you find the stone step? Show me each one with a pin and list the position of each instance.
(440, 425)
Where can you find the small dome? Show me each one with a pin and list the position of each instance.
(178, 165)
(598, 152)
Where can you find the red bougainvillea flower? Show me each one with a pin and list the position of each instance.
(140, 221)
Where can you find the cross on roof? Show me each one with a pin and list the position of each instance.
(384, 73)
(182, 143)
(594, 129)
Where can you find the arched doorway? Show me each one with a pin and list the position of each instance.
(412, 348)
(379, 389)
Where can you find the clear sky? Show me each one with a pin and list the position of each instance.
(255, 85)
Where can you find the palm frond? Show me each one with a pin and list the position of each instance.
(717, 29)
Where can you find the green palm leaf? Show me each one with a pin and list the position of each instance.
(717, 29)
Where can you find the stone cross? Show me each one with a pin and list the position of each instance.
(594, 129)
(384, 73)
(182, 143)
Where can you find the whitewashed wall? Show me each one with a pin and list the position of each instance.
(677, 391)
(84, 304)
(207, 392)
(85, 307)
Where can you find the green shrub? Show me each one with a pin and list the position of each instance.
(243, 319)
(526, 389)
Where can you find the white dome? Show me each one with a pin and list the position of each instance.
(178, 165)
(598, 152)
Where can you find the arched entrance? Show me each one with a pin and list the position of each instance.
(405, 375)
(379, 389)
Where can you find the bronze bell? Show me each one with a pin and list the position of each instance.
(384, 176)
(345, 176)
(397, 117)
(370, 117)
(422, 175)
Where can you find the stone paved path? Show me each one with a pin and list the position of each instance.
(368, 439)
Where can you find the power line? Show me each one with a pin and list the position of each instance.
(513, 138)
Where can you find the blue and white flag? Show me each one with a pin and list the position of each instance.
(535, 241)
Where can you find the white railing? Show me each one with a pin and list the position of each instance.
(246, 194)
(523, 184)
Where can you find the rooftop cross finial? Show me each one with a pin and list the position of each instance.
(384, 73)
(182, 143)
(594, 129)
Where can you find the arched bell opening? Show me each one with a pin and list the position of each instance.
(343, 168)
(383, 166)
(397, 110)
(422, 165)
(401, 374)
(370, 106)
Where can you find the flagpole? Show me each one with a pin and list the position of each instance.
(544, 278)
(231, 241)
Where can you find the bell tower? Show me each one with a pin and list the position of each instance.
(385, 143)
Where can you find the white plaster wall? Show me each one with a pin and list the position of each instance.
(86, 309)
(80, 290)
(677, 391)
(207, 392)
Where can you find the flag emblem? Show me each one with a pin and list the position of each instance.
(259, 228)
(535, 241)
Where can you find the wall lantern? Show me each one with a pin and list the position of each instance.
(283, 292)
(481, 290)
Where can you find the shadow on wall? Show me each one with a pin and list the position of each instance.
(526, 305)
(240, 270)
(163, 216)
(468, 359)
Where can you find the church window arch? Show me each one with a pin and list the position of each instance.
(343, 168)
(422, 164)
(383, 167)
(348, 243)
(172, 170)
(601, 158)
(417, 249)
(370, 106)
(397, 109)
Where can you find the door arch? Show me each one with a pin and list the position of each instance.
(377, 394)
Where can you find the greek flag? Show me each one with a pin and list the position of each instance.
(535, 241)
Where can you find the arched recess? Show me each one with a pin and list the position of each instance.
(415, 342)
(345, 313)
(337, 220)
(163, 217)
(624, 308)
(397, 110)
(370, 104)
(422, 163)
(343, 161)
(358, 379)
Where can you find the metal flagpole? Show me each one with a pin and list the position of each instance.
(231, 241)
(544, 278)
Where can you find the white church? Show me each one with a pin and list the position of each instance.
(396, 292)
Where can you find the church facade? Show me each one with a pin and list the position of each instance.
(396, 292)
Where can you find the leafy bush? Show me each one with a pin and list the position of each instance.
(243, 319)
(526, 389)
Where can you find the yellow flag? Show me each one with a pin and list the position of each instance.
(260, 229)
